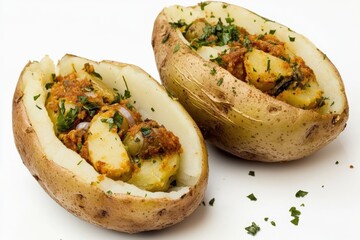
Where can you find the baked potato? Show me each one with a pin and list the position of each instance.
(77, 132)
(256, 88)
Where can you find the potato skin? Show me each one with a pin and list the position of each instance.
(246, 123)
(120, 212)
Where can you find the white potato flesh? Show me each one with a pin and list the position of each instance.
(149, 98)
(106, 150)
(156, 173)
(263, 69)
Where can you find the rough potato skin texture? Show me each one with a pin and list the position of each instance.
(235, 116)
(120, 212)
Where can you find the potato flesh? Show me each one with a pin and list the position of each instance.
(157, 173)
(106, 150)
(263, 70)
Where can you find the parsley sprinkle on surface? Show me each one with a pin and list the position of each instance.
(36, 97)
(295, 213)
(252, 173)
(253, 229)
(176, 48)
(301, 193)
(211, 202)
(251, 197)
(292, 39)
(220, 81)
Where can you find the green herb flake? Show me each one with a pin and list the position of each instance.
(36, 97)
(268, 66)
(79, 162)
(109, 192)
(116, 120)
(38, 107)
(272, 31)
(252, 173)
(273, 223)
(295, 214)
(253, 229)
(176, 48)
(65, 121)
(229, 20)
(166, 37)
(203, 5)
(292, 39)
(295, 221)
(211, 202)
(225, 6)
(266, 219)
(300, 193)
(213, 71)
(220, 81)
(127, 93)
(53, 76)
(49, 85)
(152, 109)
(252, 197)
(145, 131)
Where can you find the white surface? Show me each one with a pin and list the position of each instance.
(121, 31)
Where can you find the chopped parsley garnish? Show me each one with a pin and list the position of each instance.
(213, 71)
(273, 223)
(272, 31)
(152, 109)
(165, 38)
(36, 97)
(176, 48)
(38, 107)
(292, 39)
(211, 202)
(49, 85)
(90, 107)
(109, 192)
(253, 229)
(220, 81)
(116, 120)
(268, 66)
(301, 193)
(203, 5)
(145, 131)
(295, 214)
(177, 24)
(252, 173)
(65, 121)
(251, 197)
(127, 93)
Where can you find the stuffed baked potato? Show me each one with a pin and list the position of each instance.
(256, 88)
(108, 144)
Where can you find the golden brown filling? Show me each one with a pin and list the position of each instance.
(108, 132)
(260, 60)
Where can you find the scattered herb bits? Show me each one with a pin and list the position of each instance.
(252, 197)
(300, 193)
(253, 229)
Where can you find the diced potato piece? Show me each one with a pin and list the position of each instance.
(156, 173)
(106, 150)
(263, 69)
(307, 97)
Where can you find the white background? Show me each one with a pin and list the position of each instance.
(121, 31)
